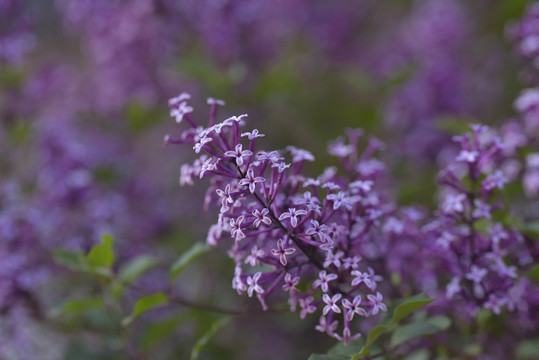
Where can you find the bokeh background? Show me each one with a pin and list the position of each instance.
(84, 86)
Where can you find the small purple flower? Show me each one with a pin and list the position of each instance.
(339, 199)
(306, 306)
(453, 287)
(225, 195)
(235, 228)
(376, 303)
(325, 327)
(251, 180)
(331, 303)
(253, 134)
(292, 214)
(476, 274)
(212, 101)
(239, 154)
(353, 307)
(255, 255)
(280, 166)
(281, 252)
(363, 277)
(261, 216)
(323, 280)
(290, 283)
(495, 303)
(252, 281)
(333, 259)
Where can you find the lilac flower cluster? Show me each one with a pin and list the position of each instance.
(436, 77)
(524, 34)
(16, 39)
(294, 234)
(478, 252)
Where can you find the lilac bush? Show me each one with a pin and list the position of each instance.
(90, 217)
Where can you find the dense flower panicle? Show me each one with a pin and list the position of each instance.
(16, 38)
(481, 255)
(285, 225)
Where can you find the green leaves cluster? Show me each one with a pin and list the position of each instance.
(361, 348)
(114, 278)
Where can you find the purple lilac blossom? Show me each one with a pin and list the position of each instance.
(286, 226)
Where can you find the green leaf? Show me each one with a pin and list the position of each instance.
(531, 229)
(422, 354)
(408, 306)
(404, 308)
(186, 258)
(375, 333)
(155, 333)
(70, 259)
(136, 267)
(418, 329)
(204, 339)
(527, 349)
(102, 255)
(327, 357)
(347, 351)
(76, 306)
(364, 352)
(534, 274)
(145, 304)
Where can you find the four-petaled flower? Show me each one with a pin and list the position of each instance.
(239, 154)
(325, 327)
(235, 228)
(225, 195)
(353, 307)
(306, 306)
(281, 252)
(467, 156)
(362, 277)
(290, 283)
(376, 303)
(281, 166)
(253, 134)
(323, 280)
(331, 303)
(256, 254)
(476, 274)
(339, 199)
(292, 214)
(252, 281)
(251, 180)
(261, 216)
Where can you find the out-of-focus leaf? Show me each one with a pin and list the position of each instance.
(347, 351)
(204, 339)
(531, 229)
(145, 304)
(454, 125)
(140, 117)
(186, 258)
(136, 267)
(534, 273)
(527, 349)
(404, 308)
(473, 349)
(408, 306)
(327, 357)
(102, 255)
(422, 354)
(76, 306)
(420, 328)
(159, 331)
(70, 259)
